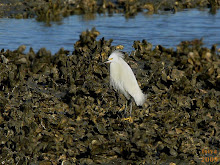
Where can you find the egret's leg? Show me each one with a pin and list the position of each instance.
(130, 108)
(128, 118)
(126, 106)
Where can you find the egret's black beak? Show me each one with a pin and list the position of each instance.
(107, 62)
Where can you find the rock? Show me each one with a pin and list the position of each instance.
(21, 49)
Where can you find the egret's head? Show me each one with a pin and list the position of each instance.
(115, 56)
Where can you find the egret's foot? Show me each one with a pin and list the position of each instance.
(130, 119)
(123, 108)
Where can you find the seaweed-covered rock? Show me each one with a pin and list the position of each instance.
(55, 10)
(59, 109)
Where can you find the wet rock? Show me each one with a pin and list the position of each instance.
(150, 7)
(4, 59)
(21, 49)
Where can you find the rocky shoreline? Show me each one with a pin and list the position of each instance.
(59, 109)
(55, 10)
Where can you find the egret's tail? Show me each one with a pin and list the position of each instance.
(139, 98)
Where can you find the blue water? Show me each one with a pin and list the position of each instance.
(166, 29)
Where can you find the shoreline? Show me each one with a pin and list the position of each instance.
(56, 10)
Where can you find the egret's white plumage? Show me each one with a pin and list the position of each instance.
(122, 78)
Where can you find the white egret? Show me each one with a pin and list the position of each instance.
(123, 79)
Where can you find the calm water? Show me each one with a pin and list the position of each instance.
(166, 29)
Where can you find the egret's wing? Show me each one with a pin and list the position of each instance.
(130, 84)
(116, 78)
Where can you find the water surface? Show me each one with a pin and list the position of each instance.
(166, 29)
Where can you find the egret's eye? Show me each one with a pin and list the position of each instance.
(110, 59)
